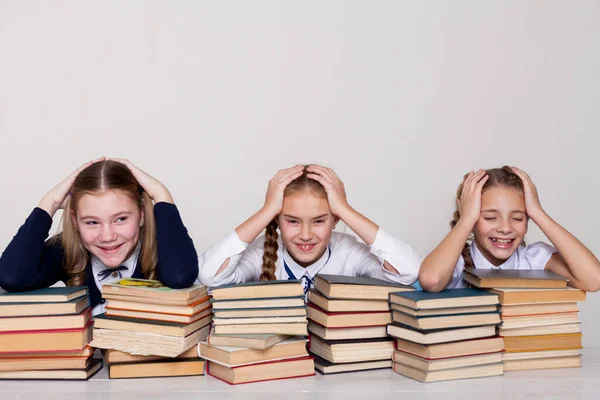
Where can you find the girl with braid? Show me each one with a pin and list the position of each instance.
(493, 208)
(302, 206)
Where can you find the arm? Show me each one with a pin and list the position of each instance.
(437, 268)
(573, 260)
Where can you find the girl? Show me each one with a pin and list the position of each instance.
(493, 208)
(306, 203)
(111, 230)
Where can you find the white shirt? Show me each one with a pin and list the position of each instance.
(98, 266)
(533, 257)
(348, 257)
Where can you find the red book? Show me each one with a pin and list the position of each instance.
(46, 340)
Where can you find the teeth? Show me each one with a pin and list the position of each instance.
(502, 241)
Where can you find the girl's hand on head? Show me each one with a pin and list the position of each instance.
(336, 193)
(277, 185)
(58, 196)
(156, 190)
(469, 203)
(533, 206)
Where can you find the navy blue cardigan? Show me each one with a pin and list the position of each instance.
(30, 262)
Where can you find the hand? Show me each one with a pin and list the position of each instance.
(469, 203)
(156, 190)
(277, 185)
(57, 198)
(336, 194)
(532, 200)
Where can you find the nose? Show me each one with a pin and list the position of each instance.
(107, 234)
(306, 232)
(505, 226)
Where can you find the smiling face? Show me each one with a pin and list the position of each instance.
(306, 224)
(502, 224)
(109, 225)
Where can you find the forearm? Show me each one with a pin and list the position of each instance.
(361, 225)
(253, 226)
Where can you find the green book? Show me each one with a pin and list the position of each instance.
(46, 295)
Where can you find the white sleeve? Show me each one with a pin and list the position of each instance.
(537, 255)
(397, 253)
(457, 282)
(243, 265)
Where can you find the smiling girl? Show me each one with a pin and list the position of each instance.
(118, 222)
(493, 208)
(305, 203)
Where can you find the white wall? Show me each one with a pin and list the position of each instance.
(400, 98)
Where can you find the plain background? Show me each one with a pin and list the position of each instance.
(401, 98)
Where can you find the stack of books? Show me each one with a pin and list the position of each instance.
(348, 318)
(124, 365)
(44, 334)
(144, 317)
(540, 317)
(446, 335)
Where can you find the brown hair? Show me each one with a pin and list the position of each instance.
(302, 183)
(504, 177)
(99, 178)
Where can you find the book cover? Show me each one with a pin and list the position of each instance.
(359, 280)
(45, 295)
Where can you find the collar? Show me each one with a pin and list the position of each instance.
(130, 263)
(309, 271)
(482, 263)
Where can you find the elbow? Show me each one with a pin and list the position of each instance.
(182, 280)
(591, 286)
(431, 282)
(206, 278)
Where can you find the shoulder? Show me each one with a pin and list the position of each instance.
(536, 255)
(346, 242)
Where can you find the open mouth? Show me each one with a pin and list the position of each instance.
(305, 247)
(110, 249)
(502, 243)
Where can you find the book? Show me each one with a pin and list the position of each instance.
(42, 363)
(529, 355)
(102, 321)
(45, 340)
(440, 335)
(259, 320)
(356, 287)
(142, 289)
(325, 367)
(428, 365)
(46, 295)
(509, 296)
(270, 303)
(258, 290)
(87, 351)
(292, 347)
(478, 371)
(446, 321)
(449, 298)
(542, 363)
(46, 322)
(541, 308)
(261, 312)
(452, 349)
(360, 332)
(348, 319)
(443, 311)
(542, 342)
(354, 350)
(187, 310)
(292, 329)
(75, 306)
(541, 330)
(336, 305)
(151, 316)
(280, 369)
(251, 341)
(119, 357)
(527, 321)
(513, 278)
(66, 374)
(152, 369)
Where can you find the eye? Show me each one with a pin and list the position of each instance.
(121, 219)
(489, 218)
(91, 223)
(320, 221)
(518, 219)
(292, 221)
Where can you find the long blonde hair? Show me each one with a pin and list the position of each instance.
(99, 178)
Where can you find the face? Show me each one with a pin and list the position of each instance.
(502, 224)
(109, 225)
(306, 224)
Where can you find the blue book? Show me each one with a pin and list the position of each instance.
(46, 295)
(467, 297)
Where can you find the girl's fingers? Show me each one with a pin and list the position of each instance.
(482, 181)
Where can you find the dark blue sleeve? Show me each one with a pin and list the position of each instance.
(29, 262)
(177, 257)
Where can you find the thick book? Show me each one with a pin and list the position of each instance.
(292, 347)
(526, 321)
(428, 365)
(259, 320)
(452, 349)
(292, 329)
(59, 374)
(45, 340)
(530, 355)
(356, 287)
(513, 278)
(348, 319)
(103, 321)
(140, 289)
(119, 357)
(508, 296)
(267, 303)
(46, 295)
(541, 330)
(440, 335)
(359, 332)
(42, 363)
(154, 369)
(541, 308)
(443, 311)
(345, 351)
(281, 369)
(449, 298)
(542, 363)
(46, 322)
(87, 351)
(325, 367)
(251, 341)
(258, 290)
(143, 306)
(447, 321)
(478, 371)
(542, 343)
(345, 305)
(261, 312)
(151, 316)
(74, 306)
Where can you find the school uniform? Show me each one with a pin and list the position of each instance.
(344, 256)
(30, 262)
(532, 257)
